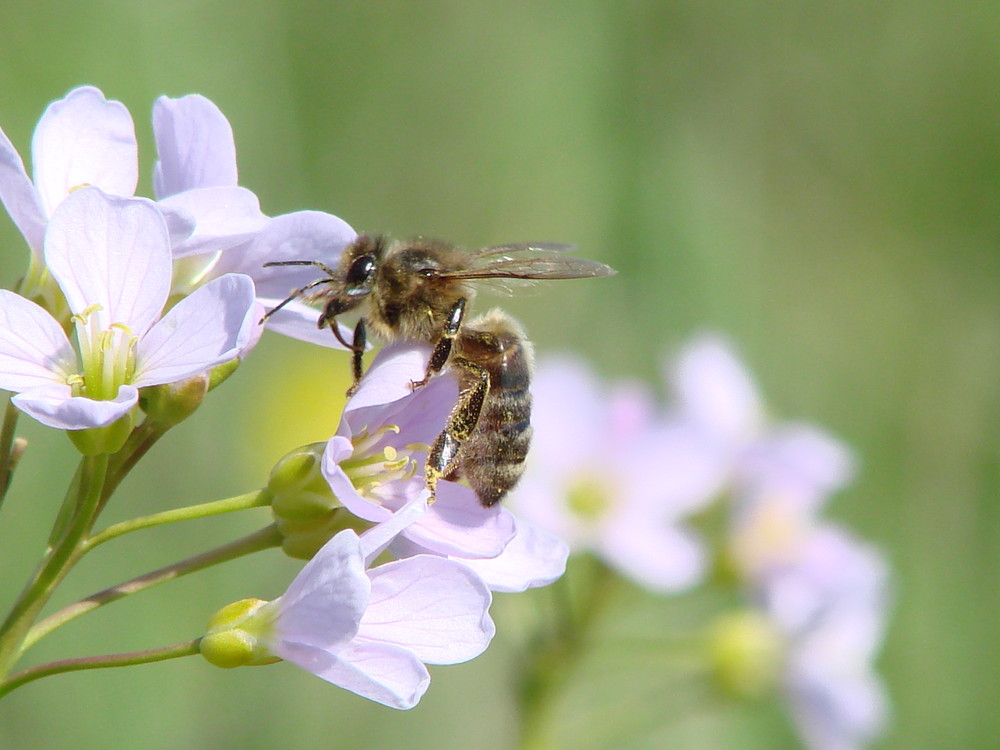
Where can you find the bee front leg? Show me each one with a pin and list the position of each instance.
(462, 421)
(357, 353)
(442, 349)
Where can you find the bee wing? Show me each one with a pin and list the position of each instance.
(531, 269)
(523, 247)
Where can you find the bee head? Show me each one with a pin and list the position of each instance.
(355, 278)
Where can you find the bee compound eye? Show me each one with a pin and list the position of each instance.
(360, 271)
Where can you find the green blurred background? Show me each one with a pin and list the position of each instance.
(819, 181)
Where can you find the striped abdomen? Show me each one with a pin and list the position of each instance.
(492, 457)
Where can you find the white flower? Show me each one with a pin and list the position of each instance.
(111, 258)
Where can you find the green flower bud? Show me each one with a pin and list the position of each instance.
(237, 633)
(171, 403)
(298, 488)
(745, 652)
(302, 539)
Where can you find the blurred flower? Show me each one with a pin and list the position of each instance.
(196, 175)
(607, 475)
(367, 630)
(831, 604)
(111, 258)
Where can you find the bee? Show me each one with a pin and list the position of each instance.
(420, 289)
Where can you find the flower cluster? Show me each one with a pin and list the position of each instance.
(128, 300)
(132, 308)
(640, 483)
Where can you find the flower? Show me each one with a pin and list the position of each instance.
(608, 476)
(111, 258)
(368, 630)
(830, 604)
(196, 176)
(82, 139)
(375, 462)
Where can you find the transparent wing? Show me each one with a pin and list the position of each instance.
(529, 262)
(523, 247)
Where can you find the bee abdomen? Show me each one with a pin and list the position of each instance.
(492, 458)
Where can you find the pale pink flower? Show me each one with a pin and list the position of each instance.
(111, 258)
(196, 176)
(608, 475)
(371, 630)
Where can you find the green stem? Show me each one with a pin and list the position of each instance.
(132, 658)
(142, 438)
(255, 499)
(260, 540)
(56, 564)
(552, 663)
(9, 455)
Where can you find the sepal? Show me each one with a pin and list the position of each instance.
(236, 635)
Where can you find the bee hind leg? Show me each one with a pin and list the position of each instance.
(442, 461)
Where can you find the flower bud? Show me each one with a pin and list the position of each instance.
(745, 652)
(301, 540)
(171, 403)
(299, 490)
(237, 633)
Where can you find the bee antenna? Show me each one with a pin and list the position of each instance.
(294, 295)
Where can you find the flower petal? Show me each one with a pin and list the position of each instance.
(432, 606)
(113, 252)
(19, 196)
(381, 672)
(56, 406)
(224, 217)
(663, 558)
(716, 391)
(457, 524)
(534, 557)
(84, 139)
(376, 539)
(302, 235)
(34, 350)
(194, 142)
(324, 603)
(204, 329)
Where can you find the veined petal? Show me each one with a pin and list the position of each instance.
(19, 196)
(339, 448)
(84, 139)
(224, 217)
(194, 142)
(302, 235)
(457, 524)
(34, 350)
(534, 557)
(56, 406)
(112, 252)
(324, 604)
(376, 539)
(432, 606)
(381, 672)
(204, 329)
